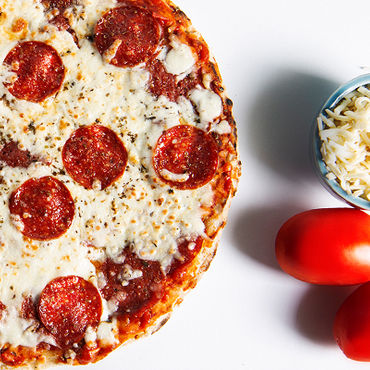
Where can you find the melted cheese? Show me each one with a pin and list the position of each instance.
(107, 332)
(136, 210)
(221, 128)
(179, 59)
(208, 104)
(179, 177)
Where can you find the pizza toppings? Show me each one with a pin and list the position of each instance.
(208, 104)
(13, 156)
(68, 306)
(142, 239)
(11, 358)
(42, 209)
(136, 283)
(179, 59)
(94, 156)
(127, 35)
(132, 284)
(187, 250)
(37, 71)
(2, 309)
(185, 157)
(164, 83)
(60, 5)
(28, 309)
(57, 17)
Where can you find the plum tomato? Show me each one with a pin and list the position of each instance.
(329, 246)
(352, 325)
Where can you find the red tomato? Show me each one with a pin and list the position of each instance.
(352, 325)
(326, 246)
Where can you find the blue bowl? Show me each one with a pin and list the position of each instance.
(332, 185)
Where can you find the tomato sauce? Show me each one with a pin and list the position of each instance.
(164, 83)
(132, 294)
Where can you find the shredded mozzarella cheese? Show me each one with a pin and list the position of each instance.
(345, 135)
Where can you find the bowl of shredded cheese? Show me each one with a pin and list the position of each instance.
(341, 142)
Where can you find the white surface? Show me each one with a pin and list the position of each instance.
(279, 60)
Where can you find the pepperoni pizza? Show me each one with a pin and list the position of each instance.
(118, 160)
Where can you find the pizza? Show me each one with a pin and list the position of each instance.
(118, 161)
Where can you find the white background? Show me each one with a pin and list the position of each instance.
(279, 60)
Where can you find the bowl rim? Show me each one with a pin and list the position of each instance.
(320, 167)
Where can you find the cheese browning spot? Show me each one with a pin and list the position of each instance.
(19, 25)
(2, 17)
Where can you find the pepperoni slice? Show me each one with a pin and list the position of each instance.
(94, 156)
(127, 35)
(68, 306)
(42, 208)
(132, 293)
(185, 157)
(13, 156)
(39, 71)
